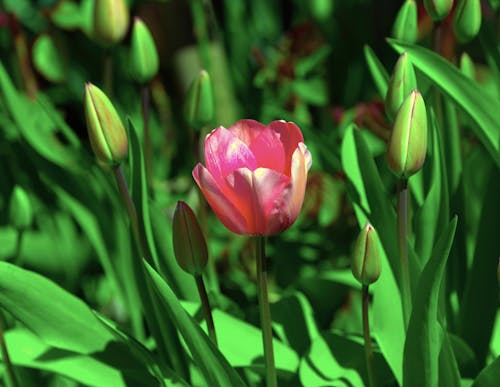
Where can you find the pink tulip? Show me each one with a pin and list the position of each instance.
(255, 175)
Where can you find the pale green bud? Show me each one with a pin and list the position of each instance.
(405, 26)
(20, 211)
(408, 142)
(190, 247)
(111, 19)
(365, 260)
(438, 9)
(467, 20)
(402, 82)
(107, 135)
(144, 61)
(467, 66)
(199, 108)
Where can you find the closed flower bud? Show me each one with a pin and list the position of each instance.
(199, 108)
(365, 261)
(111, 18)
(190, 247)
(143, 55)
(20, 211)
(106, 132)
(467, 20)
(467, 66)
(408, 142)
(405, 26)
(402, 82)
(438, 9)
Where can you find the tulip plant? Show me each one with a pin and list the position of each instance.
(249, 193)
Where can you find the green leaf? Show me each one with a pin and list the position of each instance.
(27, 350)
(489, 376)
(425, 335)
(47, 59)
(59, 318)
(467, 94)
(378, 71)
(213, 365)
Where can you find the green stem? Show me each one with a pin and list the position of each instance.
(367, 336)
(403, 248)
(205, 303)
(265, 312)
(19, 243)
(108, 73)
(145, 105)
(10, 376)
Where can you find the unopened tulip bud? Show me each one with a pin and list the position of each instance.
(111, 18)
(405, 26)
(190, 247)
(106, 132)
(143, 55)
(402, 82)
(20, 211)
(467, 20)
(365, 261)
(199, 109)
(438, 9)
(408, 142)
(467, 66)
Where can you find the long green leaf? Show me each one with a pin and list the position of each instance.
(489, 376)
(482, 107)
(377, 70)
(424, 335)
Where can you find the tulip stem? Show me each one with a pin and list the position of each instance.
(205, 303)
(265, 312)
(10, 376)
(108, 72)
(145, 105)
(403, 248)
(367, 336)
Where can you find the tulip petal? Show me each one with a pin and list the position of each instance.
(224, 152)
(263, 196)
(223, 207)
(290, 136)
(301, 162)
(268, 150)
(247, 130)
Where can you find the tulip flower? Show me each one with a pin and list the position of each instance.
(365, 262)
(405, 25)
(111, 19)
(255, 175)
(20, 210)
(144, 60)
(438, 9)
(467, 20)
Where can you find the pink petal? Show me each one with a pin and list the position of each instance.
(224, 152)
(247, 130)
(290, 136)
(223, 207)
(268, 150)
(301, 162)
(263, 198)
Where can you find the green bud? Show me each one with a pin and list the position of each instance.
(402, 82)
(20, 211)
(467, 20)
(199, 108)
(438, 9)
(111, 18)
(365, 261)
(405, 26)
(408, 142)
(190, 247)
(144, 61)
(106, 132)
(467, 66)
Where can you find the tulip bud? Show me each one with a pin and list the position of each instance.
(143, 55)
(365, 262)
(199, 108)
(467, 66)
(190, 247)
(405, 26)
(107, 135)
(403, 81)
(408, 142)
(111, 20)
(438, 9)
(467, 20)
(20, 211)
